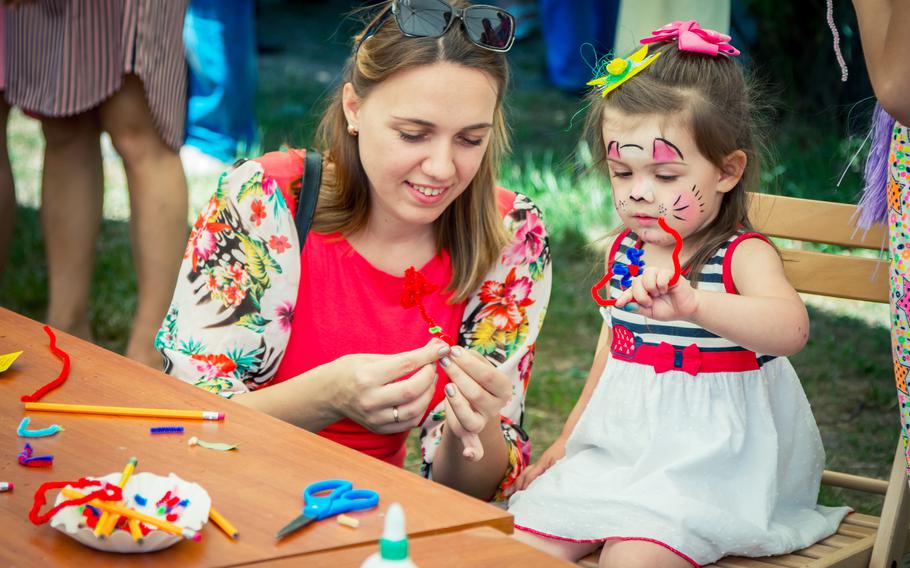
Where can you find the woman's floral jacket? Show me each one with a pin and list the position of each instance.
(229, 321)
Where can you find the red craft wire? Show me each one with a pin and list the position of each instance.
(64, 372)
(677, 270)
(108, 492)
(416, 286)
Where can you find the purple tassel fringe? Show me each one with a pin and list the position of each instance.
(873, 205)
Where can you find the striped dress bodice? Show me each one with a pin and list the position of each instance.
(715, 276)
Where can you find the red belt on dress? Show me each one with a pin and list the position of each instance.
(665, 357)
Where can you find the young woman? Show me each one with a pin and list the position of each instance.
(319, 336)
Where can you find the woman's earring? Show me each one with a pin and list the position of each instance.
(352, 130)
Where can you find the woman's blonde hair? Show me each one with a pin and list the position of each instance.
(471, 228)
(721, 111)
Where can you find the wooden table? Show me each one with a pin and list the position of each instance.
(470, 548)
(258, 488)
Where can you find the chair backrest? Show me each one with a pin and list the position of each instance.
(842, 276)
(837, 275)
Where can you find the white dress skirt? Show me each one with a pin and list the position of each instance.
(707, 465)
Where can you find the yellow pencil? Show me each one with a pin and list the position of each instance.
(112, 507)
(223, 523)
(125, 411)
(135, 530)
(108, 521)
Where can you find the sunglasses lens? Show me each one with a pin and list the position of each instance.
(489, 27)
(424, 18)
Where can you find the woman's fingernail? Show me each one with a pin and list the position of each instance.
(457, 351)
(444, 350)
(450, 390)
(445, 361)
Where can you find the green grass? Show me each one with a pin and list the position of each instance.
(845, 368)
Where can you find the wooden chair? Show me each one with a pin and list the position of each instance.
(861, 540)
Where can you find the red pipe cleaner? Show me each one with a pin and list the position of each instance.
(416, 286)
(677, 270)
(64, 372)
(108, 492)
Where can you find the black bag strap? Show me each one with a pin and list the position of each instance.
(309, 193)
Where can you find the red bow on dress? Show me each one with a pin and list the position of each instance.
(666, 357)
(693, 38)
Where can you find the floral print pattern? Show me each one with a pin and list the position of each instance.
(230, 318)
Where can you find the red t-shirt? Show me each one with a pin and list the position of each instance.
(345, 305)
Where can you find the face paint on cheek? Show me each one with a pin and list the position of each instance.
(684, 205)
(621, 205)
(699, 198)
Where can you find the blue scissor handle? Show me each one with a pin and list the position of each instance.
(341, 499)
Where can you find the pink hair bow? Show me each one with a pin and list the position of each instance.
(693, 38)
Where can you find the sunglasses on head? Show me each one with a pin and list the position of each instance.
(488, 27)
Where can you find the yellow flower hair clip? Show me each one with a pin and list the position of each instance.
(620, 70)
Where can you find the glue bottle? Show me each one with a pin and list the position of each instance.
(393, 546)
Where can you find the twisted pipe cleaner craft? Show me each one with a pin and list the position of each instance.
(416, 286)
(605, 281)
(27, 459)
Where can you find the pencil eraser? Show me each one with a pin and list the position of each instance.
(6, 486)
(221, 416)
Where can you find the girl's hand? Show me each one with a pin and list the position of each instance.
(552, 455)
(369, 392)
(656, 299)
(474, 398)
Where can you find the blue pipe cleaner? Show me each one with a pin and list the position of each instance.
(624, 271)
(49, 431)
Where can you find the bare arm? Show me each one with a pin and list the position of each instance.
(362, 387)
(883, 27)
(285, 400)
(476, 478)
(767, 316)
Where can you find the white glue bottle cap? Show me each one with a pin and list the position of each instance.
(393, 546)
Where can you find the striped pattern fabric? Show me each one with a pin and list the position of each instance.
(676, 333)
(68, 56)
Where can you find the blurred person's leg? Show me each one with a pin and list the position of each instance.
(72, 192)
(7, 191)
(158, 205)
(220, 40)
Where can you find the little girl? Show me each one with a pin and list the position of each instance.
(692, 438)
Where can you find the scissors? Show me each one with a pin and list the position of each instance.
(342, 498)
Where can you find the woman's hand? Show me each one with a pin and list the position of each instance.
(553, 454)
(369, 392)
(656, 299)
(474, 398)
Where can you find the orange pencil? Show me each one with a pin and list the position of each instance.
(223, 523)
(112, 507)
(125, 411)
(135, 530)
(108, 521)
